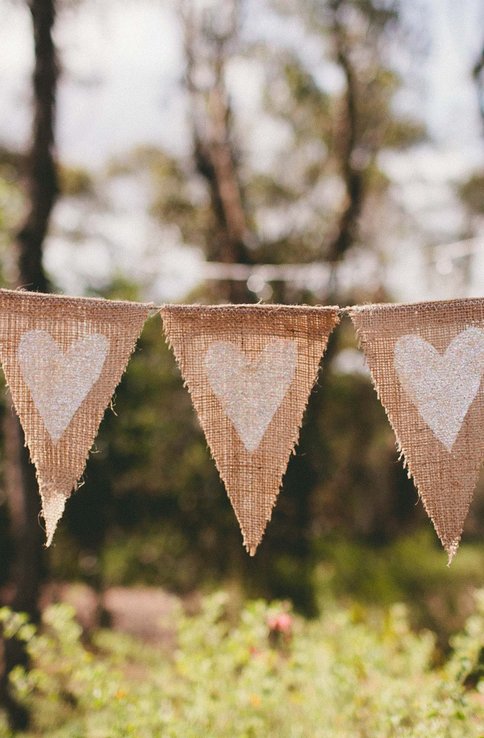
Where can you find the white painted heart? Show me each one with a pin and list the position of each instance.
(251, 391)
(59, 381)
(442, 386)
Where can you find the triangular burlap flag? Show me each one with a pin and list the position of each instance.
(250, 370)
(427, 364)
(63, 358)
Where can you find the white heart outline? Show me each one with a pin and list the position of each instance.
(251, 392)
(442, 386)
(59, 381)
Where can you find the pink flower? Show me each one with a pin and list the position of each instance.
(280, 623)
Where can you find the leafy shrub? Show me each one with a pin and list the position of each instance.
(263, 672)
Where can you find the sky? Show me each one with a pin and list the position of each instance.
(120, 87)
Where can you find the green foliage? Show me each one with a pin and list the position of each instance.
(178, 195)
(76, 182)
(263, 671)
(471, 193)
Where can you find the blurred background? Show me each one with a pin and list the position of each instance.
(314, 152)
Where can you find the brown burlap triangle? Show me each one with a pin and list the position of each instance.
(427, 364)
(63, 358)
(249, 370)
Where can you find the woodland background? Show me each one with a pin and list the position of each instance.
(211, 151)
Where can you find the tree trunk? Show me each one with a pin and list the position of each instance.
(41, 189)
(215, 155)
(345, 230)
(28, 563)
(216, 163)
(41, 176)
(478, 75)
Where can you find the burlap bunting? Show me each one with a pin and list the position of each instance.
(63, 358)
(249, 370)
(427, 363)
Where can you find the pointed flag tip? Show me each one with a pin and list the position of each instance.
(52, 510)
(250, 542)
(251, 539)
(451, 549)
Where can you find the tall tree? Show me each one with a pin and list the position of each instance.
(209, 41)
(41, 190)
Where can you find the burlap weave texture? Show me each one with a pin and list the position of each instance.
(435, 402)
(60, 420)
(270, 356)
